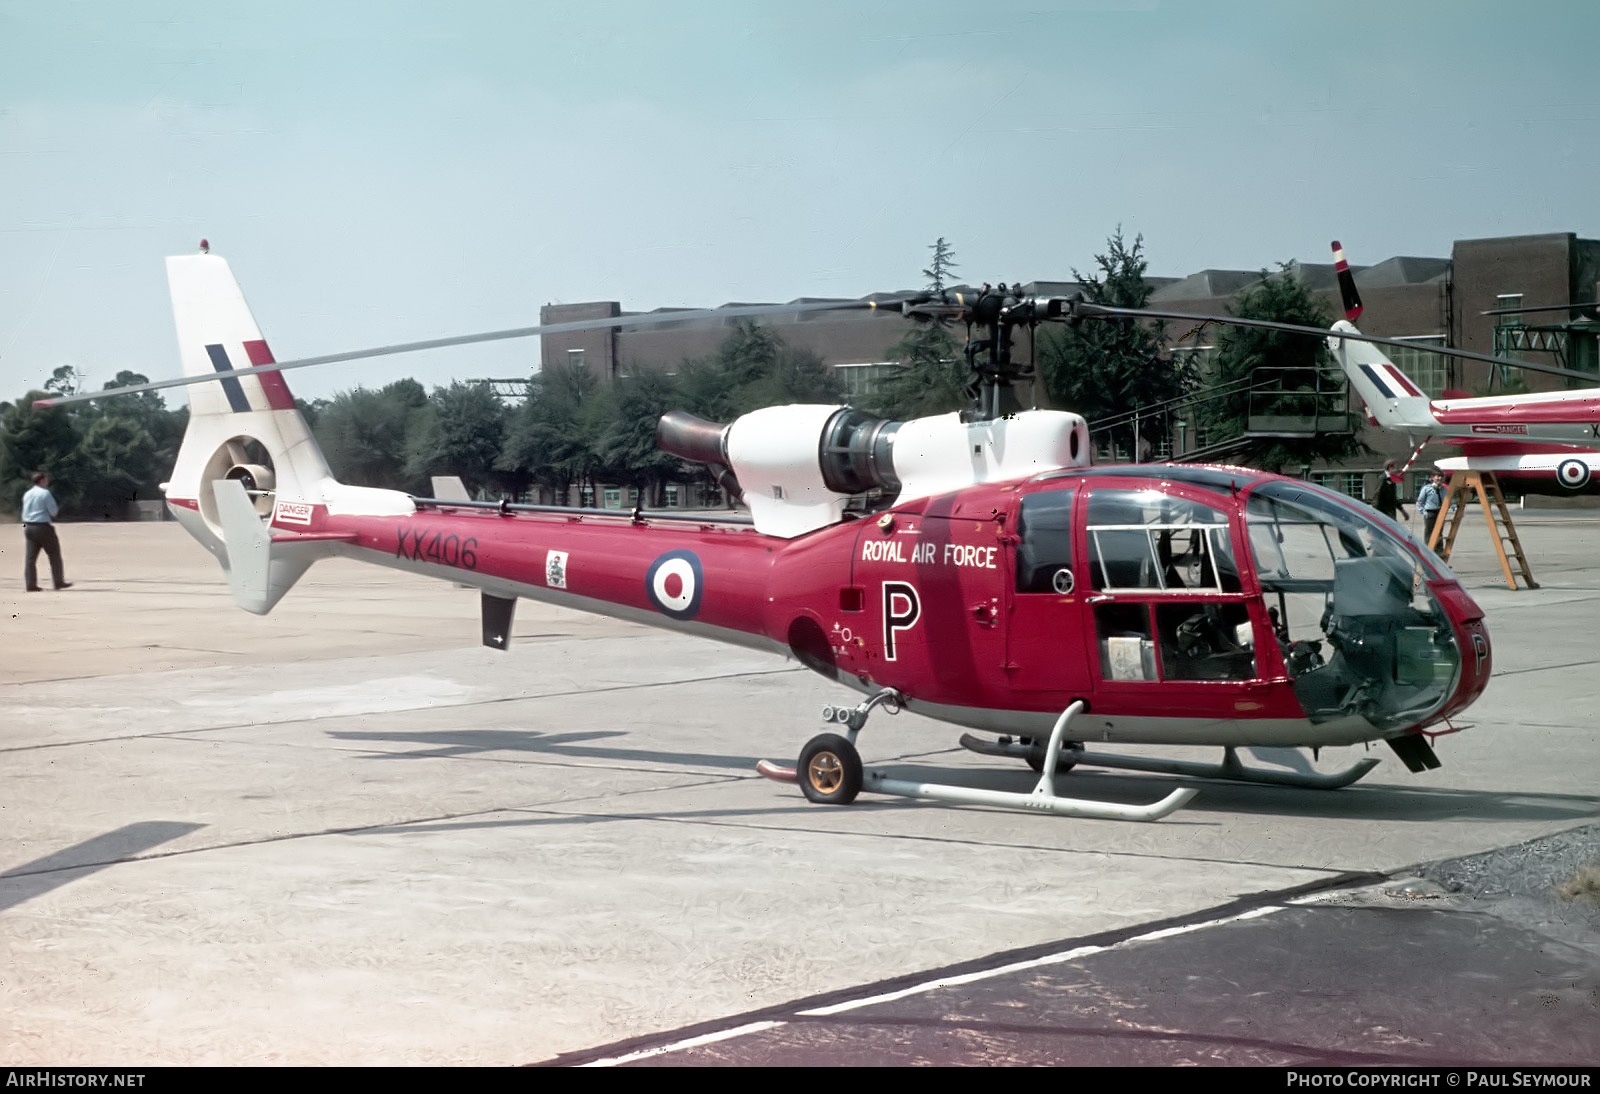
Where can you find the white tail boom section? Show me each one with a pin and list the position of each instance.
(248, 464)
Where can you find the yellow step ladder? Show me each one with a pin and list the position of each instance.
(1495, 515)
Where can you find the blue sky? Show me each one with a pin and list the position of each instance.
(382, 172)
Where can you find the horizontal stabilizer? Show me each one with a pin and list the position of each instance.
(260, 569)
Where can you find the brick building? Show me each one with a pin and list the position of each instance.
(1428, 301)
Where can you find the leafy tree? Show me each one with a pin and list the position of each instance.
(37, 440)
(1100, 368)
(1298, 362)
(752, 368)
(365, 434)
(796, 376)
(460, 432)
(737, 378)
(545, 437)
(148, 411)
(115, 464)
(626, 440)
(65, 380)
(932, 378)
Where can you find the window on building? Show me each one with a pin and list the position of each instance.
(1350, 483)
(1428, 369)
(862, 381)
(1510, 304)
(575, 358)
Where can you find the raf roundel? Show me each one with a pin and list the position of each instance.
(1573, 474)
(674, 584)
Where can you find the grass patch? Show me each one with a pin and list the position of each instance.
(1583, 885)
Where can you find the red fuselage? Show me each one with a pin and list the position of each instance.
(946, 600)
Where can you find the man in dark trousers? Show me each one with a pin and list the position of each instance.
(1430, 499)
(39, 509)
(1388, 500)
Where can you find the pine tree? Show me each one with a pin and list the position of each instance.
(1105, 367)
(1296, 362)
(932, 378)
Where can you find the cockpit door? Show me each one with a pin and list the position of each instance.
(1044, 642)
(1166, 602)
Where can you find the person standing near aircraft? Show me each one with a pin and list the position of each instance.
(39, 510)
(1389, 493)
(1430, 499)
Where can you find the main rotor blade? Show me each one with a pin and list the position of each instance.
(745, 311)
(1102, 311)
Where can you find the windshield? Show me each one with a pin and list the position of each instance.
(1347, 594)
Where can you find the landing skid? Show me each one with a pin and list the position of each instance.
(830, 772)
(1230, 768)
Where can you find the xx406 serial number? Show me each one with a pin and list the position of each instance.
(447, 550)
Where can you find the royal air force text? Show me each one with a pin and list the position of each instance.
(922, 554)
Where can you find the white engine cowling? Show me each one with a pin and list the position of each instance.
(941, 454)
(775, 455)
(798, 465)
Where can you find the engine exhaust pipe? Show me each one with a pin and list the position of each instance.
(690, 437)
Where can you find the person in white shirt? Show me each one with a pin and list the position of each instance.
(1430, 499)
(39, 509)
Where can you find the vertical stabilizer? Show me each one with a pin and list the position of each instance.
(1392, 399)
(248, 445)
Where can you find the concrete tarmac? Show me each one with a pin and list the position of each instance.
(347, 834)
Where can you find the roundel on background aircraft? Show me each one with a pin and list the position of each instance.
(674, 584)
(1572, 474)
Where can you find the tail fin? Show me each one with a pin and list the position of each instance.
(246, 430)
(217, 333)
(1347, 285)
(1392, 399)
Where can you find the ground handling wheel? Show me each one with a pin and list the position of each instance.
(829, 770)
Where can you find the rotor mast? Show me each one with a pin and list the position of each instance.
(992, 316)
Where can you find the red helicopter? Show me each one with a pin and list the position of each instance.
(1009, 587)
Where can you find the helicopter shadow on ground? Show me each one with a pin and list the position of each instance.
(455, 743)
(1364, 801)
(785, 807)
(131, 841)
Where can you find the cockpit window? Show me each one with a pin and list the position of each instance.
(1145, 539)
(1044, 548)
(1348, 598)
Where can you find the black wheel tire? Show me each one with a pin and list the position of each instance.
(1064, 762)
(829, 770)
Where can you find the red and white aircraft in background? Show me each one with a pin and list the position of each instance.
(1543, 443)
